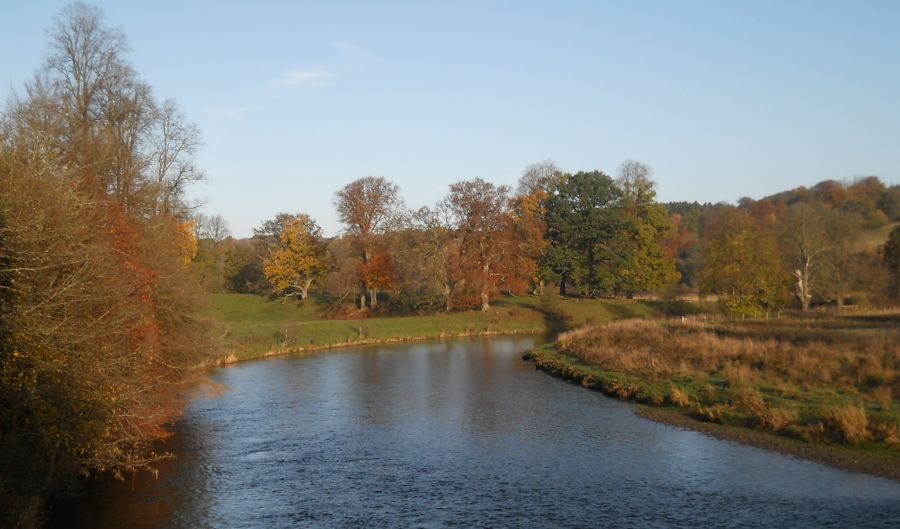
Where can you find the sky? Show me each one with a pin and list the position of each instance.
(723, 99)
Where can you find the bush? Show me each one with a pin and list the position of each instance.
(847, 423)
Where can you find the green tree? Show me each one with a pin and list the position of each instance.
(740, 264)
(891, 258)
(585, 228)
(650, 267)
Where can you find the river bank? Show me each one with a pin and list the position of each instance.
(821, 389)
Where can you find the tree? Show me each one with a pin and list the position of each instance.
(585, 228)
(806, 242)
(740, 263)
(480, 218)
(175, 143)
(891, 258)
(270, 230)
(540, 179)
(299, 259)
(431, 257)
(650, 267)
(529, 206)
(100, 331)
(367, 207)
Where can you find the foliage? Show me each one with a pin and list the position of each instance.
(891, 257)
(741, 264)
(299, 259)
(650, 267)
(369, 207)
(100, 334)
(481, 222)
(585, 232)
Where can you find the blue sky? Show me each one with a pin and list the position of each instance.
(296, 99)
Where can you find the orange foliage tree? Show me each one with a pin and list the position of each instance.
(299, 259)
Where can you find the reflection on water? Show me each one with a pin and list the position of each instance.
(460, 433)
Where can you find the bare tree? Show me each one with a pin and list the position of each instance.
(636, 181)
(439, 252)
(175, 143)
(540, 177)
(217, 228)
(806, 243)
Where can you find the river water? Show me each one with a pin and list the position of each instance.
(459, 434)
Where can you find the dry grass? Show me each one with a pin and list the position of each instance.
(824, 378)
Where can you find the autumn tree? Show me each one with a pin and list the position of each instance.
(299, 259)
(740, 263)
(367, 207)
(649, 266)
(530, 210)
(101, 333)
(480, 218)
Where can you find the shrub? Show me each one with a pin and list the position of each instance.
(777, 419)
(848, 423)
(678, 397)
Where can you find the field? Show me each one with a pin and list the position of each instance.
(255, 326)
(252, 326)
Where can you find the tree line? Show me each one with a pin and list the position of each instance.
(586, 233)
(98, 328)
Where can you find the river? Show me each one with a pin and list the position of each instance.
(460, 433)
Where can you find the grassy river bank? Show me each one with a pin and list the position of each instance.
(822, 388)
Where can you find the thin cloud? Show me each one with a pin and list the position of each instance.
(356, 54)
(303, 77)
(229, 112)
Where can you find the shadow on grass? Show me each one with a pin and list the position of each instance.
(555, 317)
(673, 308)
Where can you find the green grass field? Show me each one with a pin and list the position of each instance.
(253, 326)
(870, 240)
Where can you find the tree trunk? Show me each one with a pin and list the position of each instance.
(447, 297)
(485, 306)
(562, 286)
(362, 300)
(373, 297)
(304, 290)
(803, 292)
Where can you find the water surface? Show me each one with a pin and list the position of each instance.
(460, 434)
